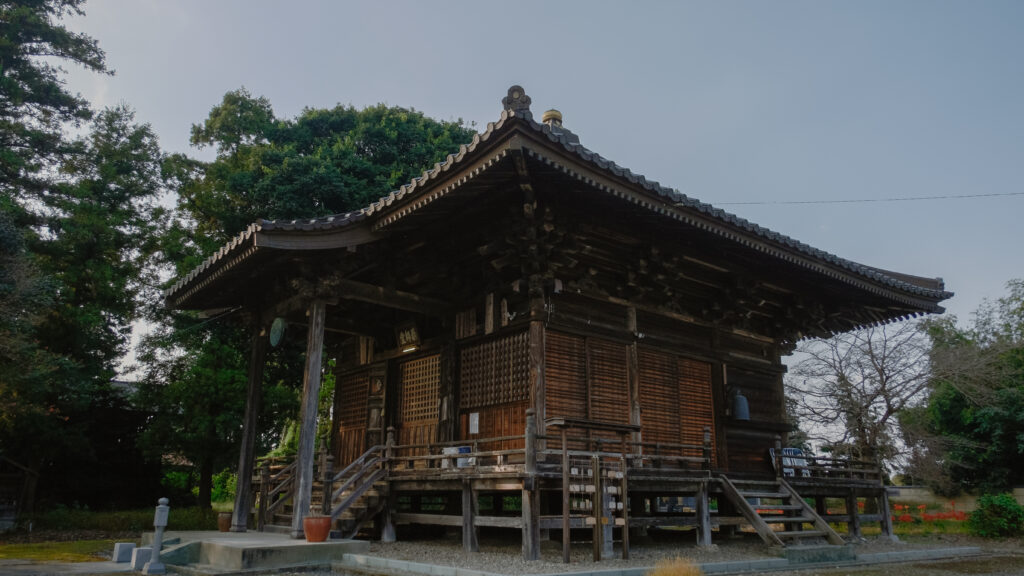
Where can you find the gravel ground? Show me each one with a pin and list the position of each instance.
(504, 557)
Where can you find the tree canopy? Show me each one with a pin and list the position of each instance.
(970, 435)
(34, 103)
(851, 389)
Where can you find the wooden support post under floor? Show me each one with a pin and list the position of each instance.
(469, 513)
(531, 496)
(853, 526)
(307, 416)
(883, 511)
(247, 453)
(703, 515)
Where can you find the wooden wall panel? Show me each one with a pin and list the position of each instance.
(565, 376)
(350, 407)
(676, 401)
(495, 422)
(696, 406)
(658, 396)
(609, 381)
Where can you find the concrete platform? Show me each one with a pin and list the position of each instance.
(224, 553)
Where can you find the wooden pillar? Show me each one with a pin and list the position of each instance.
(531, 500)
(624, 500)
(387, 533)
(247, 453)
(566, 510)
(703, 515)
(307, 416)
(536, 382)
(469, 512)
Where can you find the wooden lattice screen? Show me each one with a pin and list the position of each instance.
(350, 407)
(419, 398)
(495, 372)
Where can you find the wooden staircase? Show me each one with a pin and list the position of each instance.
(777, 513)
(357, 495)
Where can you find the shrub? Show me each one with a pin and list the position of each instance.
(676, 567)
(997, 515)
(224, 486)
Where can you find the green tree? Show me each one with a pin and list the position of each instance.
(89, 243)
(322, 162)
(970, 435)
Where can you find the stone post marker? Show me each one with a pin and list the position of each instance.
(155, 566)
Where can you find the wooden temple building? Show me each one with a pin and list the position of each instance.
(531, 337)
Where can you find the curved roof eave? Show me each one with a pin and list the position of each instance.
(670, 202)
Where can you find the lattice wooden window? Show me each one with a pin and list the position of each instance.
(352, 394)
(421, 379)
(350, 415)
(495, 372)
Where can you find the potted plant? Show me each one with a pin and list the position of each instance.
(316, 526)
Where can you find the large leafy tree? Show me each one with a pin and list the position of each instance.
(89, 243)
(321, 162)
(75, 214)
(970, 435)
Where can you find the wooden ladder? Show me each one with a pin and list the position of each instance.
(777, 513)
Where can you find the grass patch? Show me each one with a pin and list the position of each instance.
(141, 520)
(76, 551)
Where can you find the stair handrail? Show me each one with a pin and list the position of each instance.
(370, 466)
(819, 523)
(363, 471)
(270, 499)
(357, 462)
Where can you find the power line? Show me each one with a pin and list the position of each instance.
(866, 200)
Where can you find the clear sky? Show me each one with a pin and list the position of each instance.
(729, 102)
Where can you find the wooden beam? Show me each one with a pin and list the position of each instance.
(360, 291)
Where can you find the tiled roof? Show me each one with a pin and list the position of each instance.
(519, 114)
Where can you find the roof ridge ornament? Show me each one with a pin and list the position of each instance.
(517, 101)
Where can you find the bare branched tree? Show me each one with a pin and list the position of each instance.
(848, 391)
